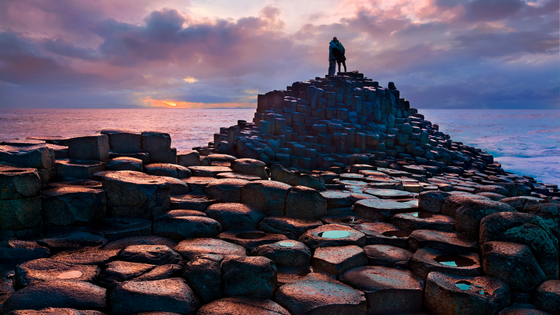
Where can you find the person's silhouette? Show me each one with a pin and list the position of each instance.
(336, 53)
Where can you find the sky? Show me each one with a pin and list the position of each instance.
(209, 53)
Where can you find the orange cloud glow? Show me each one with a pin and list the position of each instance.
(180, 104)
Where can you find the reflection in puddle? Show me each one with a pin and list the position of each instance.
(286, 244)
(334, 234)
(463, 285)
(70, 274)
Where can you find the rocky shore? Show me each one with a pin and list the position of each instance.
(338, 198)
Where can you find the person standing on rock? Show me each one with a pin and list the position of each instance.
(332, 58)
(338, 52)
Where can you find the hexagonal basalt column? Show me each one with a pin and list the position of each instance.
(450, 294)
(332, 235)
(427, 260)
(74, 205)
(381, 210)
(313, 297)
(135, 194)
(338, 259)
(387, 290)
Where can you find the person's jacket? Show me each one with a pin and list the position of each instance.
(332, 45)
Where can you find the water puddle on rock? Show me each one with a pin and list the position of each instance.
(454, 261)
(72, 274)
(286, 244)
(334, 234)
(466, 285)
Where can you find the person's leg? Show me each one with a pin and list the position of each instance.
(332, 67)
(344, 64)
(338, 65)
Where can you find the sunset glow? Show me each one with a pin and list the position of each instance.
(179, 104)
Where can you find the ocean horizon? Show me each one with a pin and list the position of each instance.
(525, 142)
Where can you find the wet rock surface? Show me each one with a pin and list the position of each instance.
(338, 198)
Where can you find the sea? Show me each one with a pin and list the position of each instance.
(525, 142)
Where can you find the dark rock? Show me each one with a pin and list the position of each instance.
(140, 240)
(235, 216)
(314, 181)
(31, 156)
(118, 271)
(208, 171)
(74, 206)
(285, 253)
(411, 221)
(45, 269)
(332, 235)
(87, 256)
(316, 297)
(249, 276)
(547, 296)
(267, 196)
(117, 228)
(432, 201)
(158, 145)
(521, 203)
(242, 306)
(63, 293)
(383, 234)
(427, 260)
(73, 241)
(204, 276)
(123, 163)
(16, 251)
(188, 158)
(388, 256)
(176, 186)
(450, 242)
(121, 140)
(178, 228)
(469, 215)
(167, 295)
(292, 228)
(20, 214)
(250, 239)
(194, 201)
(249, 167)
(201, 246)
(512, 263)
(18, 183)
(337, 260)
(338, 198)
(492, 196)
(225, 190)
(450, 294)
(161, 272)
(527, 229)
(305, 203)
(521, 309)
(135, 194)
(387, 290)
(78, 169)
(380, 210)
(94, 147)
(150, 254)
(167, 169)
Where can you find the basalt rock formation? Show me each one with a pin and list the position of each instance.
(337, 198)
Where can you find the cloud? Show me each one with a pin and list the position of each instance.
(440, 52)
